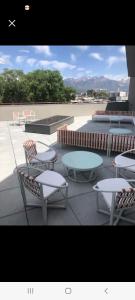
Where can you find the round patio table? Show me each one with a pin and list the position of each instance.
(81, 162)
(116, 131)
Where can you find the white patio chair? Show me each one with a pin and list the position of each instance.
(40, 159)
(123, 162)
(32, 116)
(29, 115)
(119, 197)
(18, 118)
(42, 186)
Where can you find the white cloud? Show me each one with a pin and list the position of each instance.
(4, 59)
(24, 51)
(73, 57)
(31, 61)
(96, 55)
(43, 49)
(111, 60)
(122, 50)
(82, 48)
(20, 59)
(115, 59)
(55, 64)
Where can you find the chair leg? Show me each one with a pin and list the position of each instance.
(111, 218)
(24, 198)
(52, 166)
(66, 196)
(117, 172)
(118, 217)
(112, 210)
(44, 205)
(44, 211)
(97, 201)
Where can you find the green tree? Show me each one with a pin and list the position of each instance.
(45, 85)
(69, 93)
(91, 93)
(39, 85)
(1, 89)
(14, 86)
(97, 94)
(56, 86)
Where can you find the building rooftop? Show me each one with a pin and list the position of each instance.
(81, 209)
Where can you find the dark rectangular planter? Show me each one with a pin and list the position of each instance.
(48, 125)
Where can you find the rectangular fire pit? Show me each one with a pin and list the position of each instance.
(48, 125)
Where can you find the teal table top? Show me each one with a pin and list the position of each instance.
(82, 160)
(120, 131)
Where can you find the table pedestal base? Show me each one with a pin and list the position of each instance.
(77, 176)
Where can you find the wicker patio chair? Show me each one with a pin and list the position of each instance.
(40, 159)
(119, 197)
(125, 163)
(42, 186)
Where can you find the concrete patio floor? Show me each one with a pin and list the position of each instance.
(81, 209)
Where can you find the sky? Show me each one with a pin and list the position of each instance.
(71, 61)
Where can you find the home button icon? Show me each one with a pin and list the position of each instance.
(68, 291)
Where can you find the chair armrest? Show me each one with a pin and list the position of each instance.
(128, 151)
(121, 166)
(44, 144)
(96, 188)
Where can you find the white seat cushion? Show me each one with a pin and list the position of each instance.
(112, 184)
(121, 160)
(45, 156)
(50, 177)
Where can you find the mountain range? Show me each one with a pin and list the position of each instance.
(86, 83)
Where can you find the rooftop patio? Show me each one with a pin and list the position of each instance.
(81, 208)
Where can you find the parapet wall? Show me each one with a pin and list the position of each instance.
(48, 110)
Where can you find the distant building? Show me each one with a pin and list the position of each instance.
(122, 96)
(118, 96)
